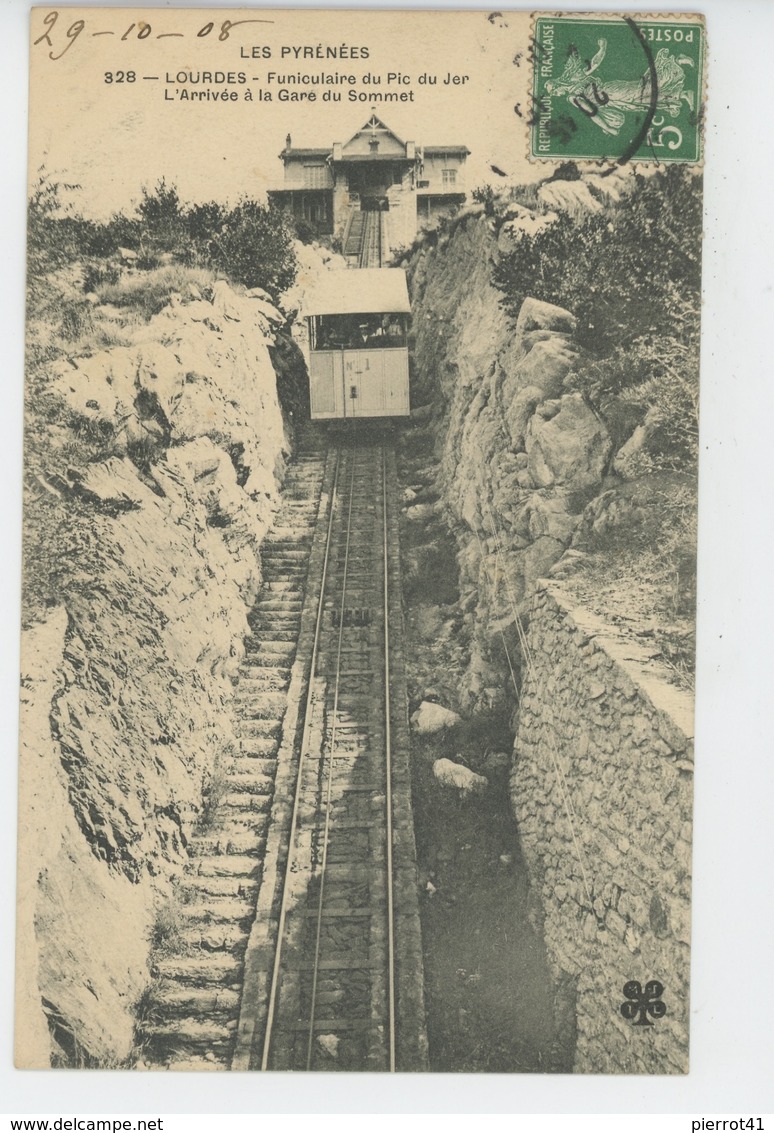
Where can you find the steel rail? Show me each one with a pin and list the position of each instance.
(329, 785)
(297, 794)
(303, 756)
(388, 772)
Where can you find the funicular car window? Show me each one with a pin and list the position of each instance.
(358, 331)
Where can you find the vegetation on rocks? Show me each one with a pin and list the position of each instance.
(155, 443)
(252, 244)
(631, 274)
(557, 335)
(92, 286)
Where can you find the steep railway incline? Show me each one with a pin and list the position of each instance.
(371, 247)
(191, 1013)
(353, 233)
(300, 947)
(364, 237)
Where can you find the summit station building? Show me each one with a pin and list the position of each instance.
(374, 192)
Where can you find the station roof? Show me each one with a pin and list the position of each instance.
(350, 291)
(435, 150)
(394, 158)
(305, 151)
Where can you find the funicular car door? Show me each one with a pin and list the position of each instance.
(363, 383)
(324, 381)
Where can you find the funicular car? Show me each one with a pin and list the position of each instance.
(357, 321)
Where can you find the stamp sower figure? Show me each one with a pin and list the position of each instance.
(610, 99)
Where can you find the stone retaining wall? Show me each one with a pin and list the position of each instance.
(602, 788)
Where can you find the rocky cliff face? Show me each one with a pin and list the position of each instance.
(521, 456)
(526, 472)
(126, 683)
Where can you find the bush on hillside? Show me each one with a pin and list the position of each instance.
(254, 246)
(621, 271)
(486, 196)
(149, 291)
(53, 233)
(250, 244)
(631, 274)
(162, 222)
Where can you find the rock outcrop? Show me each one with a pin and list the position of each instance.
(430, 718)
(460, 778)
(521, 453)
(127, 683)
(529, 473)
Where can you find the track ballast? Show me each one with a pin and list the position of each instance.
(329, 977)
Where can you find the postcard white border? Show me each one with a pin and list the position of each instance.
(732, 990)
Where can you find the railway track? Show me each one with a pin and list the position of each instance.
(320, 965)
(371, 241)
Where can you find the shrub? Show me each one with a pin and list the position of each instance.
(621, 271)
(47, 235)
(485, 195)
(254, 246)
(162, 220)
(214, 789)
(149, 291)
(631, 275)
(203, 223)
(251, 244)
(165, 933)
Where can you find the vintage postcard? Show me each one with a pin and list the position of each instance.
(360, 540)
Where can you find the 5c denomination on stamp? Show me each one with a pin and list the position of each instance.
(617, 88)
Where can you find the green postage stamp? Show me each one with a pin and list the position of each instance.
(617, 88)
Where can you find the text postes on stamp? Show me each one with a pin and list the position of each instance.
(617, 88)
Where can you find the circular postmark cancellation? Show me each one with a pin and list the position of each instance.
(617, 88)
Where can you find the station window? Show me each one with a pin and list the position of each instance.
(316, 176)
(449, 176)
(313, 210)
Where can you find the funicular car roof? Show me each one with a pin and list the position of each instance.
(352, 291)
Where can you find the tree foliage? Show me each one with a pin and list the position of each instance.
(251, 243)
(254, 246)
(486, 196)
(53, 236)
(622, 271)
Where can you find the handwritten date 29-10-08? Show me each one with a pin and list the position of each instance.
(59, 38)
